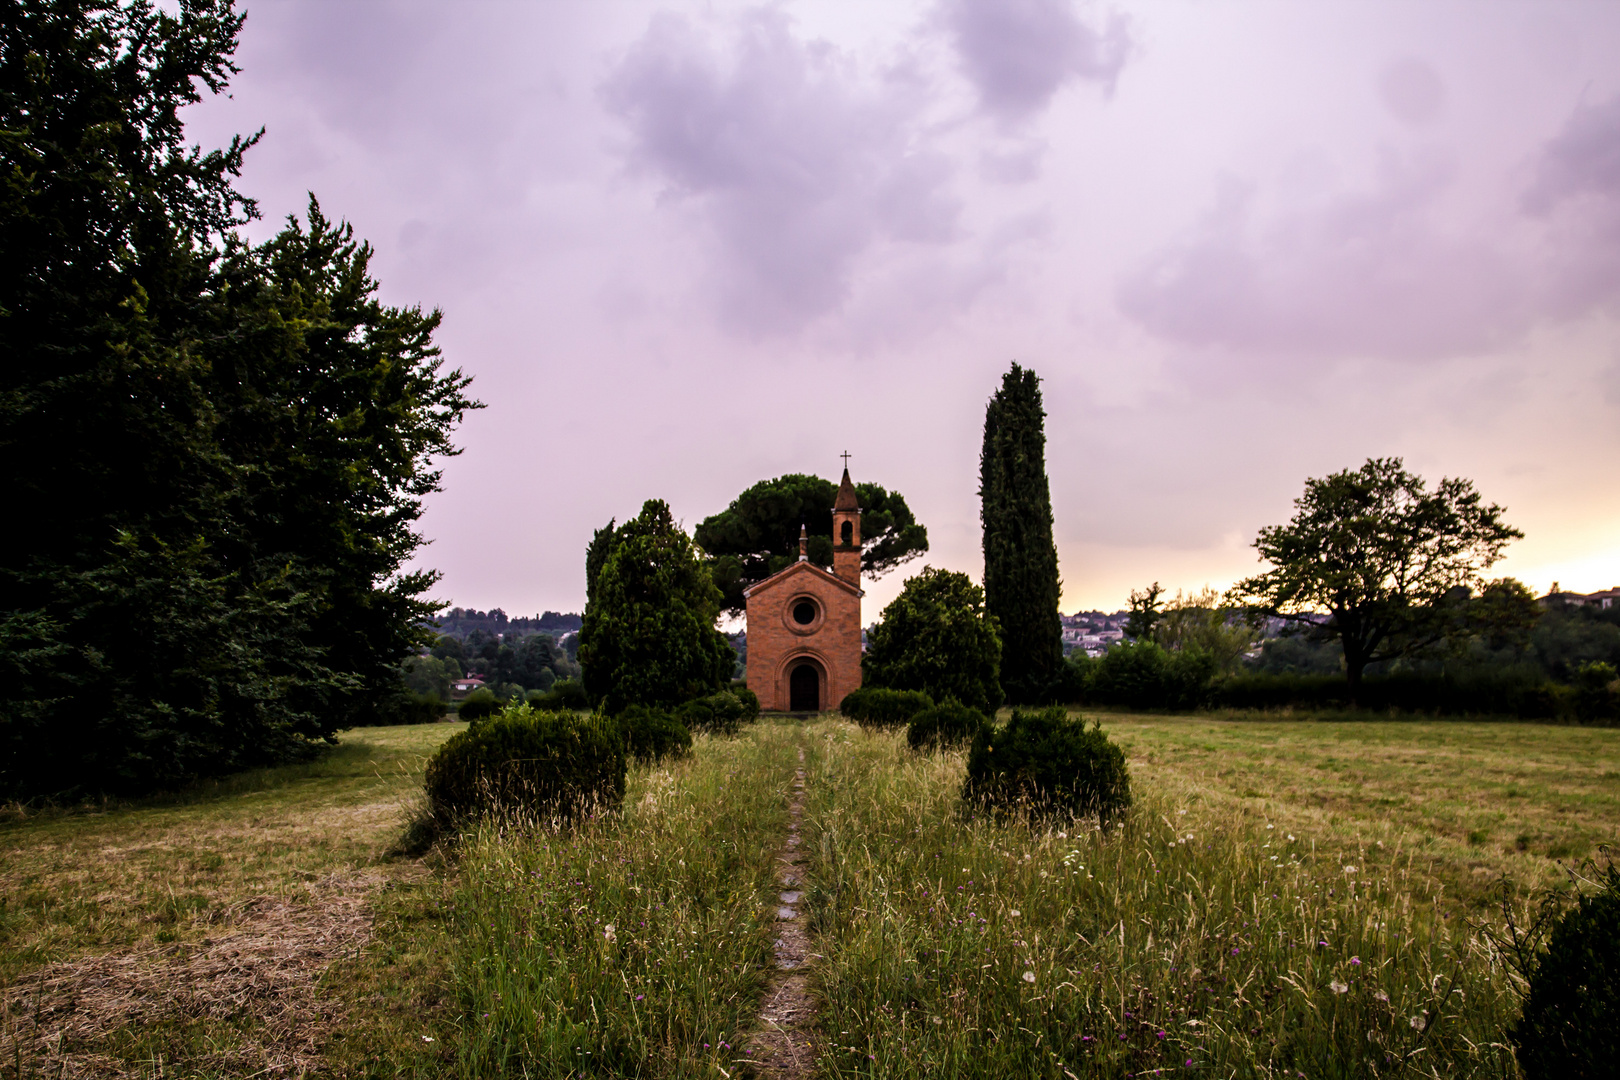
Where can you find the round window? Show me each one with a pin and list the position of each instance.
(804, 613)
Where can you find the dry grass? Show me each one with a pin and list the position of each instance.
(197, 929)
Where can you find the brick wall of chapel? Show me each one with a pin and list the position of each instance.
(774, 641)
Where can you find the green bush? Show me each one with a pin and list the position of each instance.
(1597, 693)
(880, 707)
(544, 764)
(652, 734)
(421, 709)
(718, 714)
(1044, 763)
(564, 694)
(479, 705)
(945, 726)
(1513, 691)
(1143, 675)
(750, 702)
(936, 637)
(1570, 1027)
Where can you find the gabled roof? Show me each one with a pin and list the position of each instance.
(846, 495)
(803, 568)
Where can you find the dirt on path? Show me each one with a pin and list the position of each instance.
(784, 1044)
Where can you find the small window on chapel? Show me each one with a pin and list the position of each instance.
(848, 534)
(804, 613)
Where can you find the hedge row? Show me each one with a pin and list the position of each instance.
(1145, 676)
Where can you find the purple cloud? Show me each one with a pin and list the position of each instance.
(1412, 91)
(1019, 53)
(1364, 274)
(795, 160)
(1374, 273)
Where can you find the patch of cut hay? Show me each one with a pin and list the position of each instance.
(254, 983)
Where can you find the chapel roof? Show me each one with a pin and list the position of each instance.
(803, 568)
(846, 495)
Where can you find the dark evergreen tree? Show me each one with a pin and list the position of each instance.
(1021, 586)
(222, 448)
(649, 636)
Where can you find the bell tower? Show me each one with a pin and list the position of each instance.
(847, 532)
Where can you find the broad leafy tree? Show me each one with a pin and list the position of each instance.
(1021, 586)
(937, 637)
(219, 450)
(758, 534)
(1390, 562)
(649, 636)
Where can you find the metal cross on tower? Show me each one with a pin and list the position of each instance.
(845, 456)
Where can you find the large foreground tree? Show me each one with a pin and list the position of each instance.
(215, 452)
(1390, 563)
(758, 534)
(1021, 586)
(649, 636)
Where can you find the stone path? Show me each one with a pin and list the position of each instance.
(784, 1045)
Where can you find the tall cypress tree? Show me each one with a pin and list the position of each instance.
(1021, 585)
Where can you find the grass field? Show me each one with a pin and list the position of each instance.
(948, 946)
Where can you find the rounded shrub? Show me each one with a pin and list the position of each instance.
(479, 705)
(880, 707)
(1571, 1022)
(945, 726)
(652, 734)
(564, 694)
(750, 703)
(519, 761)
(1045, 764)
(718, 714)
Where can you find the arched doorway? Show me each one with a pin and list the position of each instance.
(804, 689)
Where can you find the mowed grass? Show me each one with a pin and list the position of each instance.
(1473, 803)
(1307, 929)
(82, 881)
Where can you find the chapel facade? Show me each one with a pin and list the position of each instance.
(804, 624)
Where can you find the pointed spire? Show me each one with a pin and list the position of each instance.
(804, 544)
(846, 494)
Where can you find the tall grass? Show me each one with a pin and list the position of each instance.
(635, 944)
(1188, 941)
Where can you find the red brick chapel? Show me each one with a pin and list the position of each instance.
(804, 624)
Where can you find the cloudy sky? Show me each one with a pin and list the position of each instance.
(686, 247)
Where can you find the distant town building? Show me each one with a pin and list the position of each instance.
(1603, 599)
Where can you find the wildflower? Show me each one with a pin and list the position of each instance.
(429, 1038)
(1418, 1023)
(1029, 976)
(1349, 869)
(1355, 959)
(1337, 987)
(1234, 950)
(609, 934)
(640, 996)
(1014, 913)
(1380, 995)
(1161, 1034)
